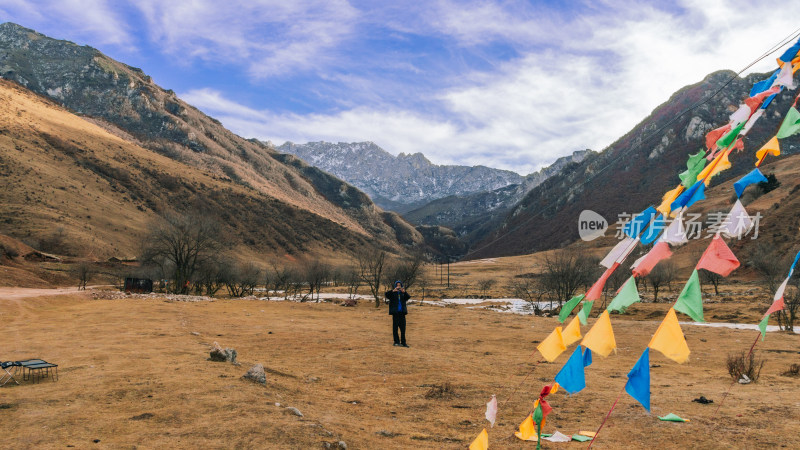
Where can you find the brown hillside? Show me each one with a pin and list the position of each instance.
(69, 182)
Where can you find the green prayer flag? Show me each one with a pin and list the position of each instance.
(762, 326)
(627, 296)
(672, 418)
(580, 438)
(791, 123)
(690, 302)
(694, 165)
(568, 307)
(583, 314)
(730, 137)
(538, 414)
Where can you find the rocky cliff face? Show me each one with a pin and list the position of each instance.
(474, 215)
(400, 182)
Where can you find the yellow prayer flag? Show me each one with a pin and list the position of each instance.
(669, 339)
(555, 387)
(572, 333)
(772, 147)
(668, 198)
(600, 338)
(720, 163)
(552, 346)
(527, 430)
(481, 442)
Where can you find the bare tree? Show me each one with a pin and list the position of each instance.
(713, 278)
(240, 279)
(565, 271)
(316, 274)
(662, 274)
(278, 279)
(351, 278)
(83, 272)
(181, 243)
(792, 305)
(484, 286)
(526, 287)
(370, 269)
(207, 279)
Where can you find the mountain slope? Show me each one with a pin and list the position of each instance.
(636, 170)
(402, 182)
(472, 216)
(127, 104)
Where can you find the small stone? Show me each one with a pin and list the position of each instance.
(744, 380)
(195, 333)
(293, 410)
(96, 441)
(277, 404)
(342, 445)
(256, 374)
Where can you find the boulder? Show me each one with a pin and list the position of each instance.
(256, 374)
(223, 354)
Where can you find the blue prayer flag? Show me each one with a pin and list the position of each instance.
(635, 226)
(751, 178)
(572, 377)
(763, 85)
(587, 358)
(654, 230)
(638, 385)
(690, 196)
(790, 52)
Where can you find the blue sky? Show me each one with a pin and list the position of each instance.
(508, 84)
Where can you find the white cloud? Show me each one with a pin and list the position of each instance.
(93, 20)
(269, 37)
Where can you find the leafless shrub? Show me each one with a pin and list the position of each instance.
(741, 364)
(793, 371)
(663, 274)
(441, 391)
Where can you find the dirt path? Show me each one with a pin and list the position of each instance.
(16, 293)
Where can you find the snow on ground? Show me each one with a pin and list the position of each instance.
(738, 326)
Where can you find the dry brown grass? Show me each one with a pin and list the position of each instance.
(133, 374)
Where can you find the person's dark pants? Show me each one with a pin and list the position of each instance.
(399, 321)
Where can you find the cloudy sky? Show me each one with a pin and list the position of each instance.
(508, 84)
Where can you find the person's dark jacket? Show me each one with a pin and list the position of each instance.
(396, 299)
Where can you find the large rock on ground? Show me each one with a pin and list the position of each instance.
(256, 374)
(223, 354)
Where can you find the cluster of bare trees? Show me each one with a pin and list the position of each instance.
(378, 273)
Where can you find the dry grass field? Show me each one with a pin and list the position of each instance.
(134, 373)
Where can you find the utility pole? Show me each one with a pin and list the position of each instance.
(448, 272)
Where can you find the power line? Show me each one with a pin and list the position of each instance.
(792, 36)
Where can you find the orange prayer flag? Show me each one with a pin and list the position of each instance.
(552, 345)
(481, 442)
(597, 288)
(669, 339)
(600, 338)
(527, 429)
(719, 164)
(572, 333)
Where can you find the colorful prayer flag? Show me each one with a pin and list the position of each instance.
(552, 346)
(636, 225)
(600, 338)
(627, 296)
(714, 135)
(481, 442)
(638, 385)
(568, 307)
(583, 314)
(659, 252)
(730, 136)
(737, 223)
(790, 124)
(572, 333)
(694, 166)
(755, 176)
(690, 196)
(669, 339)
(669, 197)
(690, 301)
(772, 147)
(491, 410)
(718, 258)
(762, 326)
(597, 288)
(675, 233)
(672, 418)
(527, 430)
(654, 230)
(572, 376)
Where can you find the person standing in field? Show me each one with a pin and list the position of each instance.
(398, 308)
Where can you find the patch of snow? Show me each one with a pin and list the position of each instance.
(736, 326)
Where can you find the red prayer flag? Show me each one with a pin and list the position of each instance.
(777, 305)
(657, 253)
(597, 288)
(718, 258)
(755, 101)
(713, 136)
